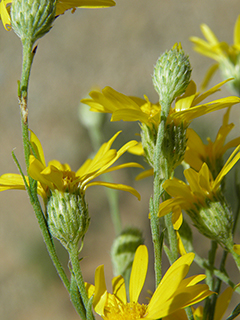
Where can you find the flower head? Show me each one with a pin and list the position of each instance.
(202, 199)
(172, 294)
(60, 176)
(62, 6)
(187, 107)
(227, 57)
(212, 153)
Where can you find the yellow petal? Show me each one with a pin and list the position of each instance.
(236, 248)
(63, 5)
(12, 181)
(164, 291)
(36, 144)
(232, 160)
(35, 171)
(138, 273)
(116, 186)
(209, 74)
(119, 289)
(100, 296)
(236, 37)
(90, 289)
(191, 281)
(177, 217)
(4, 14)
(52, 177)
(222, 303)
(181, 248)
(144, 174)
(209, 35)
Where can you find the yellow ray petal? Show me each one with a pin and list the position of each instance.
(117, 186)
(222, 303)
(119, 289)
(100, 296)
(138, 273)
(12, 181)
(36, 144)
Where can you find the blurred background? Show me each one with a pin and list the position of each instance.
(117, 47)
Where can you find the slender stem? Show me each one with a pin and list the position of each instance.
(32, 190)
(160, 174)
(203, 263)
(217, 287)
(73, 254)
(76, 298)
(210, 279)
(172, 237)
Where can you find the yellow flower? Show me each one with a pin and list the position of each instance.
(59, 176)
(173, 293)
(122, 107)
(221, 306)
(202, 200)
(188, 107)
(128, 108)
(212, 153)
(227, 56)
(62, 6)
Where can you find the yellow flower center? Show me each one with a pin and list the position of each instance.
(70, 181)
(129, 311)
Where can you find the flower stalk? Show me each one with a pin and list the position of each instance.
(76, 270)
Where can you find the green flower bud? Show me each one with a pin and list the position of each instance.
(171, 76)
(32, 19)
(68, 217)
(174, 145)
(123, 251)
(214, 221)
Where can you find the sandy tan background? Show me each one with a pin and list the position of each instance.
(116, 47)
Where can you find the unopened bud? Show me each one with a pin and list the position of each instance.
(171, 76)
(68, 217)
(123, 250)
(32, 19)
(214, 221)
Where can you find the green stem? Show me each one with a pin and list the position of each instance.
(160, 174)
(236, 257)
(73, 254)
(172, 238)
(210, 279)
(217, 287)
(32, 190)
(203, 263)
(23, 95)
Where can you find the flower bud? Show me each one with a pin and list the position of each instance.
(68, 218)
(171, 76)
(123, 250)
(32, 19)
(214, 221)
